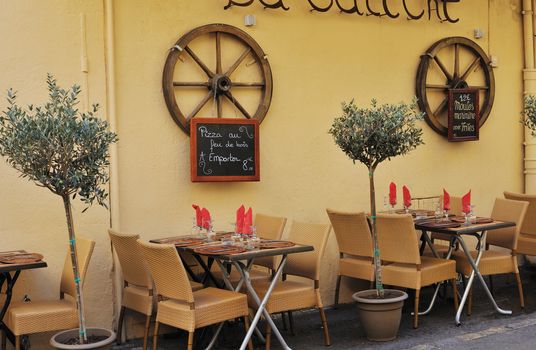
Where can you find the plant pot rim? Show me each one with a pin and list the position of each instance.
(96, 345)
(360, 296)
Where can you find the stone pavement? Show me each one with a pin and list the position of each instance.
(485, 329)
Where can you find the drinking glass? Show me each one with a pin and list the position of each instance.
(196, 232)
(438, 211)
(472, 215)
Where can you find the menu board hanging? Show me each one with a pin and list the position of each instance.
(224, 150)
(464, 115)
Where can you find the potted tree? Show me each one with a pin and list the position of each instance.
(65, 150)
(371, 136)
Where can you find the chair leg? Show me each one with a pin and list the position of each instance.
(284, 320)
(190, 340)
(291, 322)
(246, 326)
(268, 336)
(146, 333)
(520, 288)
(416, 309)
(337, 291)
(17, 342)
(327, 339)
(155, 335)
(120, 325)
(455, 294)
(3, 339)
(470, 302)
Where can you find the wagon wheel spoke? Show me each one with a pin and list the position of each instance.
(441, 106)
(237, 63)
(241, 108)
(243, 84)
(218, 53)
(199, 106)
(436, 86)
(456, 60)
(219, 105)
(199, 62)
(471, 67)
(191, 83)
(442, 67)
(478, 87)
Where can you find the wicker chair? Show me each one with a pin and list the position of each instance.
(290, 295)
(268, 227)
(495, 262)
(178, 305)
(526, 243)
(398, 244)
(355, 246)
(51, 315)
(137, 281)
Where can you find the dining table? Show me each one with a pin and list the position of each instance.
(11, 264)
(242, 258)
(457, 231)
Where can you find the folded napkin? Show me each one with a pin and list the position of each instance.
(248, 221)
(466, 202)
(205, 215)
(446, 200)
(392, 194)
(407, 197)
(198, 216)
(240, 219)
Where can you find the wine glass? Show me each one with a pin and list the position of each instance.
(196, 230)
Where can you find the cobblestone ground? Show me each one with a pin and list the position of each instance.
(485, 329)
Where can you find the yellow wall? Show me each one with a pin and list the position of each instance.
(318, 61)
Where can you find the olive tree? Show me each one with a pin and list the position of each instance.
(371, 136)
(60, 148)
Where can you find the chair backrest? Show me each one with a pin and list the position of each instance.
(507, 210)
(528, 226)
(269, 227)
(84, 249)
(352, 232)
(133, 265)
(169, 275)
(397, 239)
(307, 264)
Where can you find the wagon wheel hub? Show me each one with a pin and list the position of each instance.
(458, 83)
(220, 84)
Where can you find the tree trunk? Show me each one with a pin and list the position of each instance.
(377, 260)
(76, 273)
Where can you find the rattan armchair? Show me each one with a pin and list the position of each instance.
(290, 295)
(404, 267)
(355, 246)
(178, 305)
(494, 262)
(39, 316)
(526, 242)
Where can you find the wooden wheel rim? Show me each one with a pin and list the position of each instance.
(220, 79)
(422, 75)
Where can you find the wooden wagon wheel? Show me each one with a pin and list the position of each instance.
(217, 80)
(452, 63)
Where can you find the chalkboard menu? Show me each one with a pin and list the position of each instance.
(464, 115)
(224, 150)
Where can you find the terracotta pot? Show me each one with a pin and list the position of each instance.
(59, 339)
(380, 317)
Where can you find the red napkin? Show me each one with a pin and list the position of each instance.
(205, 218)
(407, 197)
(198, 217)
(446, 200)
(466, 202)
(240, 219)
(248, 221)
(392, 194)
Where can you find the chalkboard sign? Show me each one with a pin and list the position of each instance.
(224, 150)
(464, 115)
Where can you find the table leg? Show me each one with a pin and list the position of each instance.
(206, 268)
(9, 289)
(262, 304)
(474, 265)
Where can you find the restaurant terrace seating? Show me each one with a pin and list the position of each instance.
(402, 265)
(290, 295)
(526, 242)
(355, 246)
(181, 307)
(494, 262)
(39, 316)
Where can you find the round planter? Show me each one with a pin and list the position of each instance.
(380, 317)
(59, 339)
